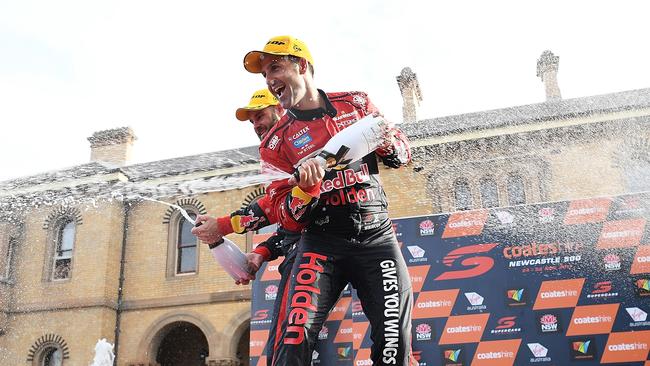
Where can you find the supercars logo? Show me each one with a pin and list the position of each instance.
(621, 234)
(465, 223)
(602, 290)
(592, 319)
(582, 349)
(427, 228)
(473, 265)
(641, 261)
(506, 325)
(260, 315)
(627, 347)
(559, 294)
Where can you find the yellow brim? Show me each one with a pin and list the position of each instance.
(242, 114)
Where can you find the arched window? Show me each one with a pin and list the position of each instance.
(62, 259)
(516, 190)
(489, 193)
(51, 356)
(462, 194)
(186, 248)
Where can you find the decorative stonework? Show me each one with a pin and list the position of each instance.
(48, 340)
(409, 86)
(223, 362)
(63, 212)
(112, 137)
(252, 197)
(547, 62)
(185, 202)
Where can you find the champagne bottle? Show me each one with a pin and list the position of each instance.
(231, 258)
(352, 143)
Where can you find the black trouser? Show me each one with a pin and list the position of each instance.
(324, 264)
(285, 274)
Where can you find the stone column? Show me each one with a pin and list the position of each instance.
(411, 94)
(547, 66)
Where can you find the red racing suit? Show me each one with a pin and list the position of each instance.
(347, 235)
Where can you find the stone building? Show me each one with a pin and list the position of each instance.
(77, 264)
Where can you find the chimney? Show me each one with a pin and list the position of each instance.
(547, 66)
(411, 94)
(112, 146)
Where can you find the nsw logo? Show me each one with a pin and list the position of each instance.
(423, 332)
(548, 322)
(612, 262)
(324, 332)
(271, 292)
(427, 228)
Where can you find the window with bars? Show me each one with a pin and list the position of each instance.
(516, 190)
(62, 259)
(186, 248)
(462, 194)
(489, 193)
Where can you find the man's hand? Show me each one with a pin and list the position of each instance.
(208, 232)
(254, 263)
(311, 172)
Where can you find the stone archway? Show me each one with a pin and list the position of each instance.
(182, 344)
(156, 334)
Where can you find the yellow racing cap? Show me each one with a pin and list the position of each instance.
(260, 100)
(281, 46)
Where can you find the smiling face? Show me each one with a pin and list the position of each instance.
(285, 79)
(263, 120)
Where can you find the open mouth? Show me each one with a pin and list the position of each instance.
(278, 90)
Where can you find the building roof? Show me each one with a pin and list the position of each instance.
(527, 114)
(519, 115)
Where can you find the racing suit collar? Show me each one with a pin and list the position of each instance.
(312, 114)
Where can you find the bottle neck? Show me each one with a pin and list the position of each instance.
(214, 245)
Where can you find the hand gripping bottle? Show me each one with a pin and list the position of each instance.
(231, 258)
(352, 143)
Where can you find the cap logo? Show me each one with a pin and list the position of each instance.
(279, 43)
(296, 48)
(258, 96)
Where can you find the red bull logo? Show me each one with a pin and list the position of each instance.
(248, 220)
(297, 206)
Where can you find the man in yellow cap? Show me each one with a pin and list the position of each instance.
(347, 235)
(263, 111)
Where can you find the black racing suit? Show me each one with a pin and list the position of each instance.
(348, 236)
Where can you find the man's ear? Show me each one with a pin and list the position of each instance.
(303, 65)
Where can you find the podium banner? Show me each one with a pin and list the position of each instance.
(546, 284)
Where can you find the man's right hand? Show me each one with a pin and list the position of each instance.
(311, 172)
(254, 263)
(208, 232)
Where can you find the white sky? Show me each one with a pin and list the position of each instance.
(172, 70)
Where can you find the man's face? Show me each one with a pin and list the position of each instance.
(263, 120)
(284, 79)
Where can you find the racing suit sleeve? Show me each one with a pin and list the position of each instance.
(250, 218)
(271, 248)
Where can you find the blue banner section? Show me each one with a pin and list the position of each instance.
(545, 284)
